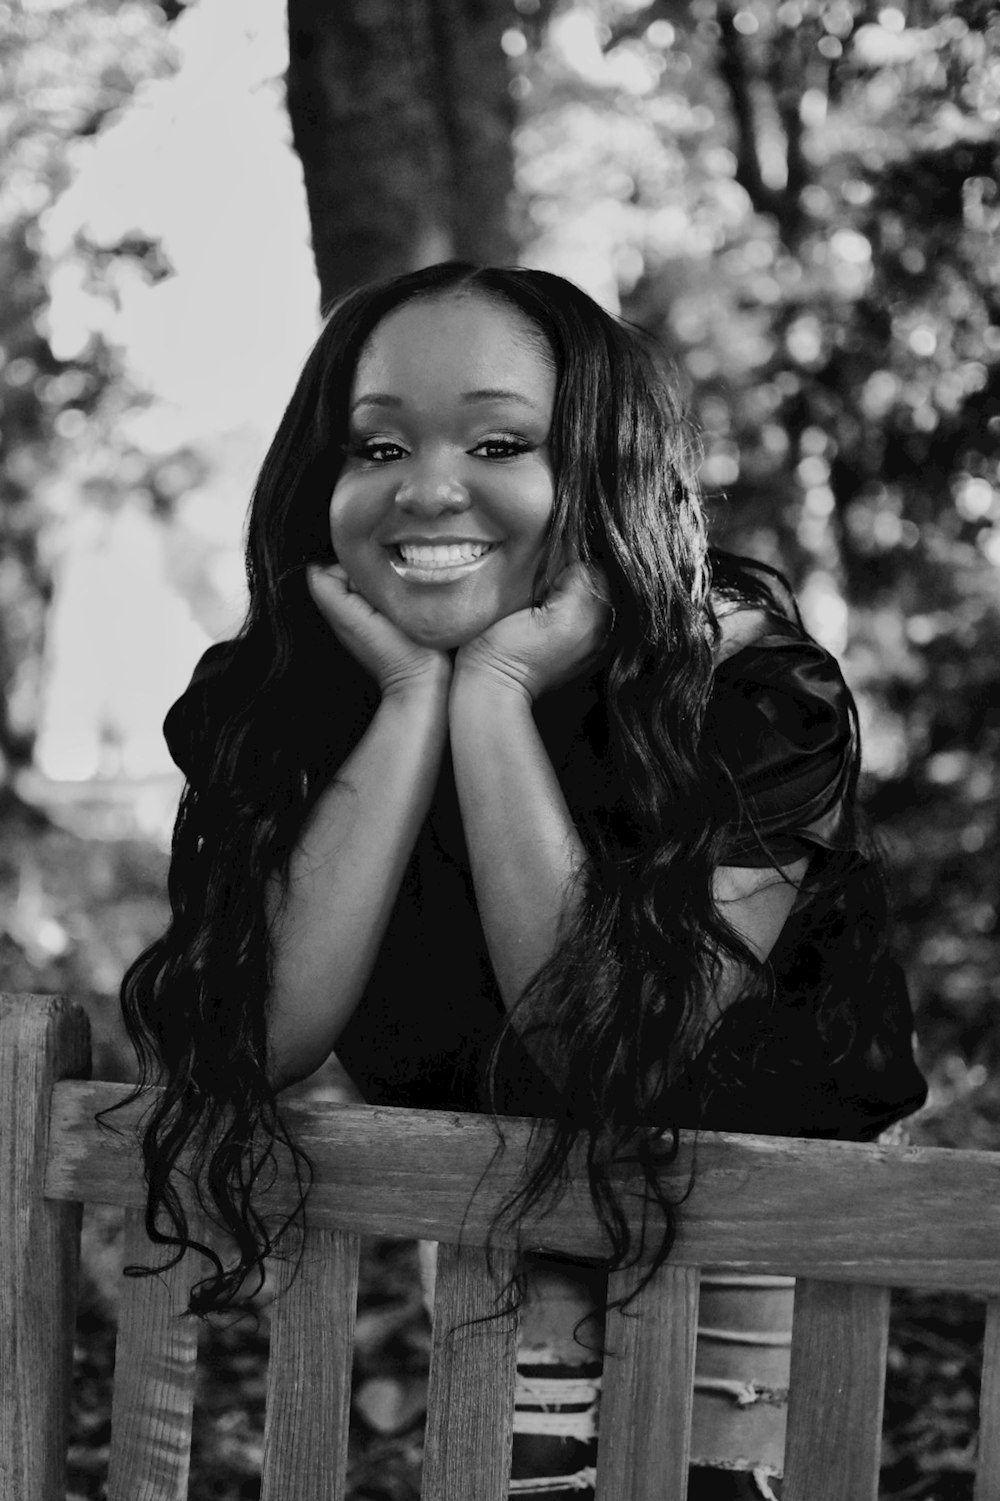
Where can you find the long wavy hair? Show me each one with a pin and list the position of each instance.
(620, 1008)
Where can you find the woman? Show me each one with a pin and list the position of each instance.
(506, 790)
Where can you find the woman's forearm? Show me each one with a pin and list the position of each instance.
(524, 848)
(344, 876)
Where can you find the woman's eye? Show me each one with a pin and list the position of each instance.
(376, 450)
(501, 448)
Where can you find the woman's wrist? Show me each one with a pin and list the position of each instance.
(427, 687)
(477, 681)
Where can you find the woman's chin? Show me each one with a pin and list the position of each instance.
(448, 633)
(445, 640)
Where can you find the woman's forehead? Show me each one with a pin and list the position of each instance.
(454, 345)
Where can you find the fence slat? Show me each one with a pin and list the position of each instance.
(988, 1469)
(840, 1338)
(645, 1433)
(470, 1398)
(154, 1376)
(309, 1371)
(40, 1039)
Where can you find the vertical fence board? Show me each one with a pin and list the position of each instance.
(154, 1376)
(988, 1470)
(645, 1433)
(836, 1392)
(470, 1399)
(41, 1039)
(309, 1371)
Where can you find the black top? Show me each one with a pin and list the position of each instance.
(782, 717)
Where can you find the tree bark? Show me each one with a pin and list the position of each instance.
(401, 115)
(784, 78)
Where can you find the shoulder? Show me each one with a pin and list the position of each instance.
(191, 722)
(782, 721)
(771, 677)
(775, 683)
(738, 628)
(243, 698)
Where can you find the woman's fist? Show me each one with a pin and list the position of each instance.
(538, 649)
(395, 662)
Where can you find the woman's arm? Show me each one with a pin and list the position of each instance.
(524, 848)
(346, 869)
(344, 876)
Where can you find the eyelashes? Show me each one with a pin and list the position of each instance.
(379, 451)
(373, 450)
(510, 447)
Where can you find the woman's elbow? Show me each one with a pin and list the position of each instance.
(293, 1053)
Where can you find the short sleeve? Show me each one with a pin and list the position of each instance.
(187, 728)
(782, 720)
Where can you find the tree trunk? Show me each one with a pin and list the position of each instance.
(401, 115)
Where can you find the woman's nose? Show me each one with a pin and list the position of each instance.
(432, 496)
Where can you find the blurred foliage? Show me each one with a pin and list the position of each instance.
(77, 907)
(67, 68)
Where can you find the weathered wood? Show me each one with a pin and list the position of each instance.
(470, 1397)
(836, 1392)
(153, 1394)
(309, 1371)
(988, 1469)
(41, 1039)
(645, 1432)
(838, 1215)
(902, 1216)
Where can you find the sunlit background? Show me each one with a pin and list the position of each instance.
(199, 162)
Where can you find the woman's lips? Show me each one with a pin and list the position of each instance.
(437, 563)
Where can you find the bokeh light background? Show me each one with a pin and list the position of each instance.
(200, 161)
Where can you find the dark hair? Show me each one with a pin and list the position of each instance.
(626, 989)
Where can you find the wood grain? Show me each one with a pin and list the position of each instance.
(309, 1371)
(988, 1470)
(839, 1216)
(836, 1392)
(153, 1394)
(902, 1216)
(470, 1398)
(42, 1038)
(645, 1433)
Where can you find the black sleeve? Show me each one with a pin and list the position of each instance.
(782, 720)
(190, 725)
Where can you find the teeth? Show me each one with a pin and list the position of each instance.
(442, 557)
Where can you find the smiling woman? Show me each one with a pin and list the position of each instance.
(514, 794)
(442, 508)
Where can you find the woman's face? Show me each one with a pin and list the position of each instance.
(441, 510)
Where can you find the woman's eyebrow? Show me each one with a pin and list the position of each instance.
(376, 399)
(498, 393)
(469, 398)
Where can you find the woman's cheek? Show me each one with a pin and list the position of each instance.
(358, 506)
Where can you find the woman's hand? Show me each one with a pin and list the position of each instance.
(535, 650)
(397, 664)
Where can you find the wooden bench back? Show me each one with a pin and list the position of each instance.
(849, 1221)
